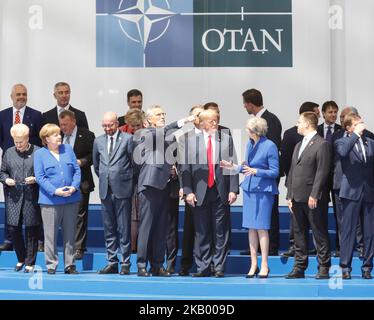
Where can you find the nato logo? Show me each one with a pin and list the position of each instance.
(193, 33)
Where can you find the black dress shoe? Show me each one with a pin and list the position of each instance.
(264, 276)
(6, 246)
(346, 275)
(289, 253)
(201, 274)
(19, 266)
(184, 273)
(51, 271)
(160, 273)
(245, 253)
(71, 270)
(366, 275)
(109, 269)
(125, 271)
(322, 274)
(295, 274)
(41, 247)
(219, 274)
(79, 254)
(142, 272)
(252, 275)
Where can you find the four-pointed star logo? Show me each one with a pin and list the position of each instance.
(144, 15)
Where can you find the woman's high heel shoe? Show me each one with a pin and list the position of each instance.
(254, 274)
(264, 276)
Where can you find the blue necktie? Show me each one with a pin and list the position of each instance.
(329, 134)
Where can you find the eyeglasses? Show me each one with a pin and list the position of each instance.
(108, 125)
(160, 114)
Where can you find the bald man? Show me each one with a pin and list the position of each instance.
(112, 160)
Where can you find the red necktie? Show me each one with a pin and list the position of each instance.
(17, 119)
(210, 162)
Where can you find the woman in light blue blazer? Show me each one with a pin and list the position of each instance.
(261, 170)
(58, 175)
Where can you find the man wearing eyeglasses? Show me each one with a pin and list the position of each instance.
(112, 160)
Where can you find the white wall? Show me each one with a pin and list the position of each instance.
(64, 50)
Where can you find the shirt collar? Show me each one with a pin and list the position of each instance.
(114, 136)
(310, 135)
(21, 111)
(60, 109)
(260, 113)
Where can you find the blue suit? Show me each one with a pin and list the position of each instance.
(357, 195)
(259, 190)
(32, 118)
(51, 174)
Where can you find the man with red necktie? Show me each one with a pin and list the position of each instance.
(210, 191)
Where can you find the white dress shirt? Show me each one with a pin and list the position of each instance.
(114, 140)
(73, 136)
(21, 113)
(306, 141)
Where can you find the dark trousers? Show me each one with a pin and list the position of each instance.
(339, 216)
(351, 213)
(26, 251)
(82, 223)
(212, 232)
(116, 221)
(274, 227)
(303, 217)
(172, 235)
(188, 239)
(154, 208)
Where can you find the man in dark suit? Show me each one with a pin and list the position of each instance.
(306, 182)
(326, 130)
(112, 160)
(356, 154)
(134, 100)
(154, 158)
(290, 139)
(210, 192)
(82, 141)
(253, 103)
(337, 179)
(18, 113)
(62, 95)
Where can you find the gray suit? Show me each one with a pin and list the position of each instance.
(308, 178)
(115, 174)
(154, 190)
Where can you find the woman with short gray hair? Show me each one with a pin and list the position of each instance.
(21, 196)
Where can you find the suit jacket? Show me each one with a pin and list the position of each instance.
(337, 167)
(32, 118)
(264, 157)
(358, 176)
(51, 174)
(115, 171)
(195, 167)
(153, 156)
(274, 128)
(321, 132)
(83, 147)
(51, 116)
(308, 175)
(290, 139)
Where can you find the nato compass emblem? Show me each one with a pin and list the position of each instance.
(193, 33)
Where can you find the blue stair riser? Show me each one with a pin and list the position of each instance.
(95, 217)
(234, 265)
(239, 239)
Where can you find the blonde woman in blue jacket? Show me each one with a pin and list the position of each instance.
(261, 169)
